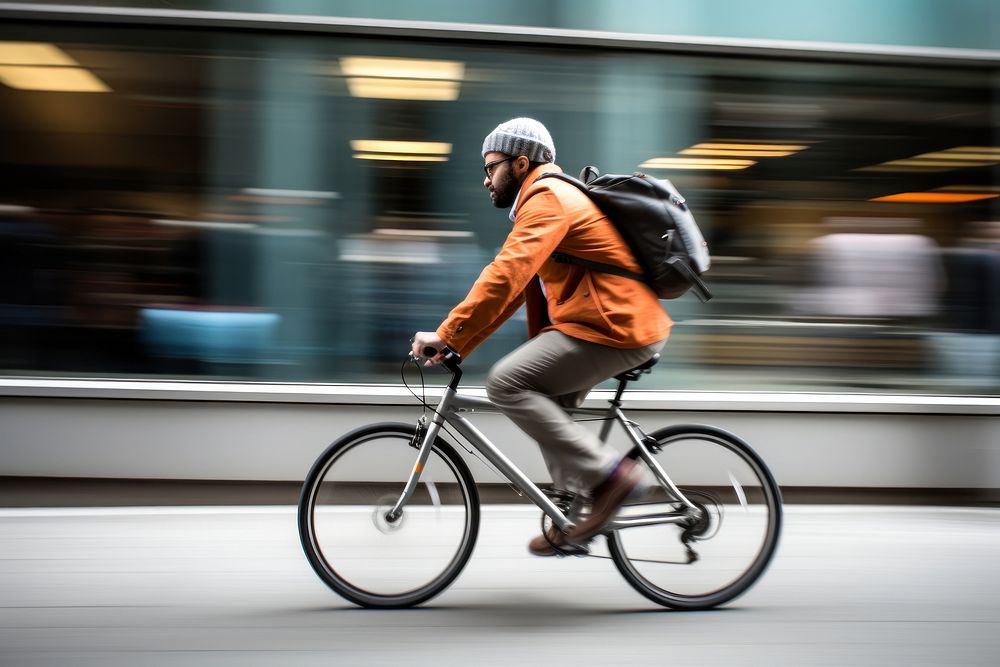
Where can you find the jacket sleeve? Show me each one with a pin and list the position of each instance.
(488, 331)
(539, 227)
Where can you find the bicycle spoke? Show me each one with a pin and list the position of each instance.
(363, 550)
(723, 545)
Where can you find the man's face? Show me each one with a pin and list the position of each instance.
(501, 178)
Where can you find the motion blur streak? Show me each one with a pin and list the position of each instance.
(288, 206)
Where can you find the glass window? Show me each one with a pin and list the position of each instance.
(208, 204)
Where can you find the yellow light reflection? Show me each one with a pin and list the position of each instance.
(735, 153)
(400, 158)
(34, 53)
(402, 68)
(379, 146)
(52, 79)
(403, 78)
(950, 158)
(693, 163)
(992, 150)
(751, 147)
(921, 162)
(959, 155)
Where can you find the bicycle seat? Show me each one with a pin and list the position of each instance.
(638, 370)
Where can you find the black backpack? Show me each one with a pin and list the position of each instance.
(657, 226)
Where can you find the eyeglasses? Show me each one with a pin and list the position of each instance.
(488, 167)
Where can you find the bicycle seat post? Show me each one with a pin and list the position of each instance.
(617, 400)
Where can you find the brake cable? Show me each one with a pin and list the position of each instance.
(444, 423)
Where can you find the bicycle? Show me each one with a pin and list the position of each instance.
(398, 532)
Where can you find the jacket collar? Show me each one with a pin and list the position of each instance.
(547, 168)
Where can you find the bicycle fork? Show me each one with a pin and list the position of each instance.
(423, 439)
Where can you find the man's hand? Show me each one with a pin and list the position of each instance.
(423, 339)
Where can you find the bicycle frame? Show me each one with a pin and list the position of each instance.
(449, 410)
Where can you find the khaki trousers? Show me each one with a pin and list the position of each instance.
(533, 384)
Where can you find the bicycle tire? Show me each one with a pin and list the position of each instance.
(769, 494)
(313, 546)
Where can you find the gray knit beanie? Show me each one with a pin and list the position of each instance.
(521, 136)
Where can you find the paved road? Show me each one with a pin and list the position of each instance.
(229, 586)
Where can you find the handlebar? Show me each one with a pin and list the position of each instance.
(450, 359)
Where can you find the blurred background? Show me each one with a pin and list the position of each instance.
(221, 222)
(251, 200)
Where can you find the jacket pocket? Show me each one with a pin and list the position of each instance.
(584, 307)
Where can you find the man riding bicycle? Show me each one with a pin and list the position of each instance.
(584, 326)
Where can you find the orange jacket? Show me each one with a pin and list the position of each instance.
(599, 307)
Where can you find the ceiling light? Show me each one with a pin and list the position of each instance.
(735, 149)
(751, 147)
(735, 153)
(695, 163)
(993, 150)
(403, 78)
(958, 155)
(400, 158)
(934, 197)
(52, 79)
(949, 158)
(379, 146)
(402, 68)
(34, 53)
(922, 162)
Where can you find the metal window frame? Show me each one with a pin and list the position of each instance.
(386, 395)
(505, 34)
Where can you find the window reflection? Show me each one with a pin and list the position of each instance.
(285, 208)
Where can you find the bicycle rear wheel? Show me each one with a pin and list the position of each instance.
(351, 543)
(735, 538)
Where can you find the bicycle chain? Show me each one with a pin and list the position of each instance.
(564, 500)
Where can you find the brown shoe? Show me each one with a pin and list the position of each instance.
(608, 497)
(546, 544)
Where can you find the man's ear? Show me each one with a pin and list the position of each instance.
(522, 166)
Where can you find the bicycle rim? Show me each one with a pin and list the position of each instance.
(733, 543)
(352, 544)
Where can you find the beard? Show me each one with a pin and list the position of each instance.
(505, 189)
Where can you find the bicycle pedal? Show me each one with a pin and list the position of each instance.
(575, 549)
(578, 550)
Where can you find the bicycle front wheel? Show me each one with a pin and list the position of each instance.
(732, 538)
(352, 543)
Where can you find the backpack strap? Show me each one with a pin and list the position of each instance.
(563, 258)
(580, 185)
